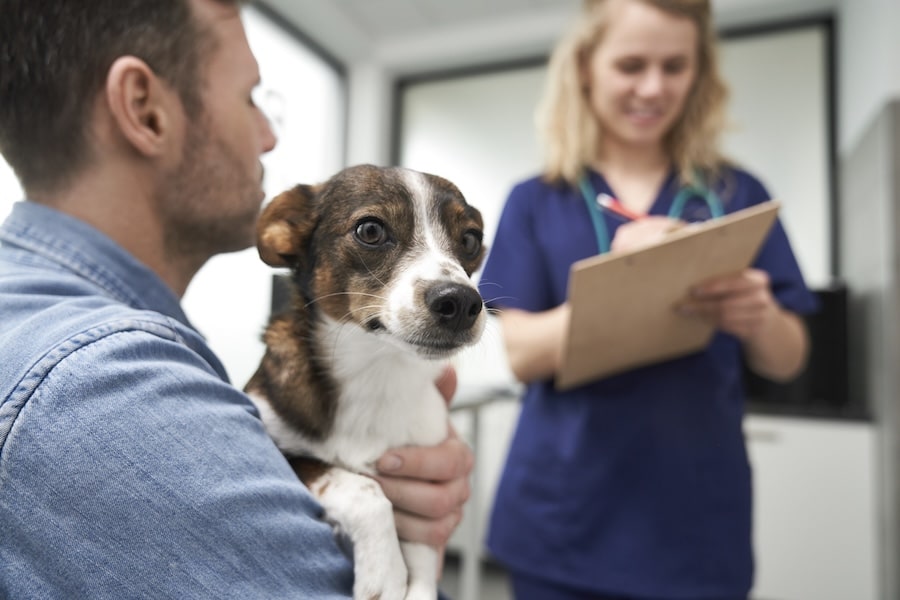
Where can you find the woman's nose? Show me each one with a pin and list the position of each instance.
(651, 83)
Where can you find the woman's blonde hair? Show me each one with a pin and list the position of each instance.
(566, 122)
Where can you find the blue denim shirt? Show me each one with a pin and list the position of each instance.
(129, 466)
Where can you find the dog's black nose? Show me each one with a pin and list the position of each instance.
(454, 306)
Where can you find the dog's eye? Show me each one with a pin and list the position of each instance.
(371, 232)
(472, 242)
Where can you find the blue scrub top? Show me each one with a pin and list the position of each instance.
(639, 483)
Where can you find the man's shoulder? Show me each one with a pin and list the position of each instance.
(63, 321)
(39, 319)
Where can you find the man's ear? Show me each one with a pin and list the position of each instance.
(141, 104)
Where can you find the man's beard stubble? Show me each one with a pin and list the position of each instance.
(209, 205)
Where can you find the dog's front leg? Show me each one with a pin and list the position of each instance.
(421, 561)
(356, 504)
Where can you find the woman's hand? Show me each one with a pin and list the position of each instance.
(741, 304)
(775, 340)
(643, 232)
(428, 485)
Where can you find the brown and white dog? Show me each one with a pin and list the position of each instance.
(381, 260)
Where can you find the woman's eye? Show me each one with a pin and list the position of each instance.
(630, 66)
(472, 243)
(674, 68)
(371, 232)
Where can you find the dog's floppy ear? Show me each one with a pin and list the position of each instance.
(284, 226)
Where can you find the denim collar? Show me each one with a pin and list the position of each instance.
(80, 248)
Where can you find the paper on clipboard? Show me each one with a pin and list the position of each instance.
(622, 304)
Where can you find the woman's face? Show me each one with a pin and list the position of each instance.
(641, 74)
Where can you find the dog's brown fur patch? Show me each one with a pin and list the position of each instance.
(309, 470)
(289, 372)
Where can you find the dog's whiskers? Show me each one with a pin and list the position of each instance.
(370, 272)
(496, 298)
(335, 294)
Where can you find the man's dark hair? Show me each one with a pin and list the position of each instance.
(54, 59)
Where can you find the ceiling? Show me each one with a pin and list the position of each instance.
(414, 34)
(382, 19)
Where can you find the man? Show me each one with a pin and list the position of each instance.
(129, 466)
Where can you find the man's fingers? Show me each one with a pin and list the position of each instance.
(450, 459)
(428, 500)
(447, 383)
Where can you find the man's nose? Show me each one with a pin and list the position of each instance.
(269, 139)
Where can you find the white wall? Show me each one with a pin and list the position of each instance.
(477, 131)
(779, 132)
(369, 137)
(10, 190)
(869, 64)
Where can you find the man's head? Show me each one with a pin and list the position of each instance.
(54, 60)
(210, 197)
(144, 107)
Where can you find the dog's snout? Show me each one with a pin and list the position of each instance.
(454, 306)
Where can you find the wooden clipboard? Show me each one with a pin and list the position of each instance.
(622, 304)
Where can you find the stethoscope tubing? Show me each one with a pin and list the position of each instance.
(591, 198)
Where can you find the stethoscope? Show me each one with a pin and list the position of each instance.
(592, 199)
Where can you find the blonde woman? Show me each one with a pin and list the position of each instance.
(636, 485)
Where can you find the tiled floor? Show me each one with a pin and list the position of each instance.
(494, 585)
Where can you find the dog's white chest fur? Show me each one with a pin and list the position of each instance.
(387, 399)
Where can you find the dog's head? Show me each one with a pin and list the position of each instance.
(388, 249)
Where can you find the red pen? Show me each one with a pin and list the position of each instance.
(614, 206)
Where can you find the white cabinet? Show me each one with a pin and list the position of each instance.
(814, 508)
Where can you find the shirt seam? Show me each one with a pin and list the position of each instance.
(70, 257)
(40, 369)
